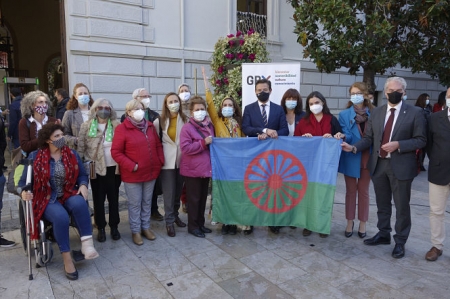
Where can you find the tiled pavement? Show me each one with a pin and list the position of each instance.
(261, 265)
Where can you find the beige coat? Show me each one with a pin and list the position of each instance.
(172, 152)
(88, 145)
(71, 122)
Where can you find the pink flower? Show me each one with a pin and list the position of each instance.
(230, 35)
(240, 92)
(240, 56)
(231, 43)
(241, 42)
(225, 80)
(229, 56)
(251, 31)
(220, 69)
(218, 82)
(252, 57)
(239, 33)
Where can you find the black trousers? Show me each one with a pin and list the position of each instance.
(102, 187)
(196, 194)
(156, 191)
(386, 187)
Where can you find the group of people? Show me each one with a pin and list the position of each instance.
(378, 144)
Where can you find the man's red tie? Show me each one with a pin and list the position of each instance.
(387, 132)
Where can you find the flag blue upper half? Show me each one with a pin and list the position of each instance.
(231, 158)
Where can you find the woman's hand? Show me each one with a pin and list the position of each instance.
(208, 140)
(327, 135)
(26, 195)
(83, 191)
(205, 80)
(307, 135)
(339, 135)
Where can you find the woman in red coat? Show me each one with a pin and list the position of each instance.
(138, 151)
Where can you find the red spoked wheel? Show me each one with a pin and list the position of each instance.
(275, 181)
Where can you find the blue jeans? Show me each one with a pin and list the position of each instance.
(2, 187)
(139, 204)
(58, 215)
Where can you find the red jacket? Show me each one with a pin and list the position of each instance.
(130, 147)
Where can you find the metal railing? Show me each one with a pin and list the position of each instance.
(250, 20)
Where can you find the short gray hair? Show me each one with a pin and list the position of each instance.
(395, 79)
(97, 103)
(136, 92)
(28, 101)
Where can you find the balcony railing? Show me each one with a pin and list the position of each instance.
(250, 20)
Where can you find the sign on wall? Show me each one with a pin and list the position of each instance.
(282, 76)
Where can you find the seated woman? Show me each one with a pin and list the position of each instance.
(60, 189)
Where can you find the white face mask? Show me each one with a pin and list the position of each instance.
(290, 104)
(138, 115)
(316, 108)
(427, 102)
(185, 96)
(199, 115)
(146, 102)
(174, 107)
(448, 102)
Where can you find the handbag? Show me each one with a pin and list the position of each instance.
(92, 172)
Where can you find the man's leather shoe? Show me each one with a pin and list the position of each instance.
(248, 231)
(101, 236)
(306, 232)
(115, 235)
(170, 230)
(433, 254)
(198, 233)
(156, 216)
(399, 251)
(179, 223)
(148, 234)
(71, 276)
(205, 230)
(275, 229)
(377, 240)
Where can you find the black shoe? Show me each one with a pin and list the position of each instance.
(205, 230)
(233, 229)
(362, 235)
(349, 234)
(71, 276)
(306, 232)
(6, 243)
(377, 240)
(275, 229)
(198, 233)
(225, 229)
(115, 235)
(248, 231)
(101, 236)
(399, 251)
(293, 227)
(156, 216)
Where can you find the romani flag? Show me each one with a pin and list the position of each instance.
(289, 181)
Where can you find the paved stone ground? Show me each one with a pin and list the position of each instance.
(261, 265)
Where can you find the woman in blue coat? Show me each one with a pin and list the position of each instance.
(353, 121)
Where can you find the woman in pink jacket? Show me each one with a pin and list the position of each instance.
(138, 151)
(195, 166)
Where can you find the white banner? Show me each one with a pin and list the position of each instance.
(282, 76)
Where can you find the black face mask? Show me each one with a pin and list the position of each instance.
(395, 97)
(263, 96)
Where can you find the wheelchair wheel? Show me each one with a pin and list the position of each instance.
(23, 225)
(44, 254)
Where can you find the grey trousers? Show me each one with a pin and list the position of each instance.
(139, 204)
(172, 184)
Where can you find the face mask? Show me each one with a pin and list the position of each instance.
(448, 102)
(174, 107)
(199, 115)
(357, 99)
(290, 104)
(227, 111)
(59, 143)
(138, 115)
(146, 102)
(316, 108)
(41, 109)
(395, 97)
(103, 113)
(405, 97)
(83, 99)
(427, 102)
(263, 96)
(185, 96)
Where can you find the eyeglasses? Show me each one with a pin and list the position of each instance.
(356, 94)
(145, 96)
(104, 108)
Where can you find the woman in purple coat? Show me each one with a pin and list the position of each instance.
(195, 166)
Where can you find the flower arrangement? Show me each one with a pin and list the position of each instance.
(229, 54)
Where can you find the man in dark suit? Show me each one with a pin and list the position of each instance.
(264, 119)
(438, 176)
(395, 131)
(14, 116)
